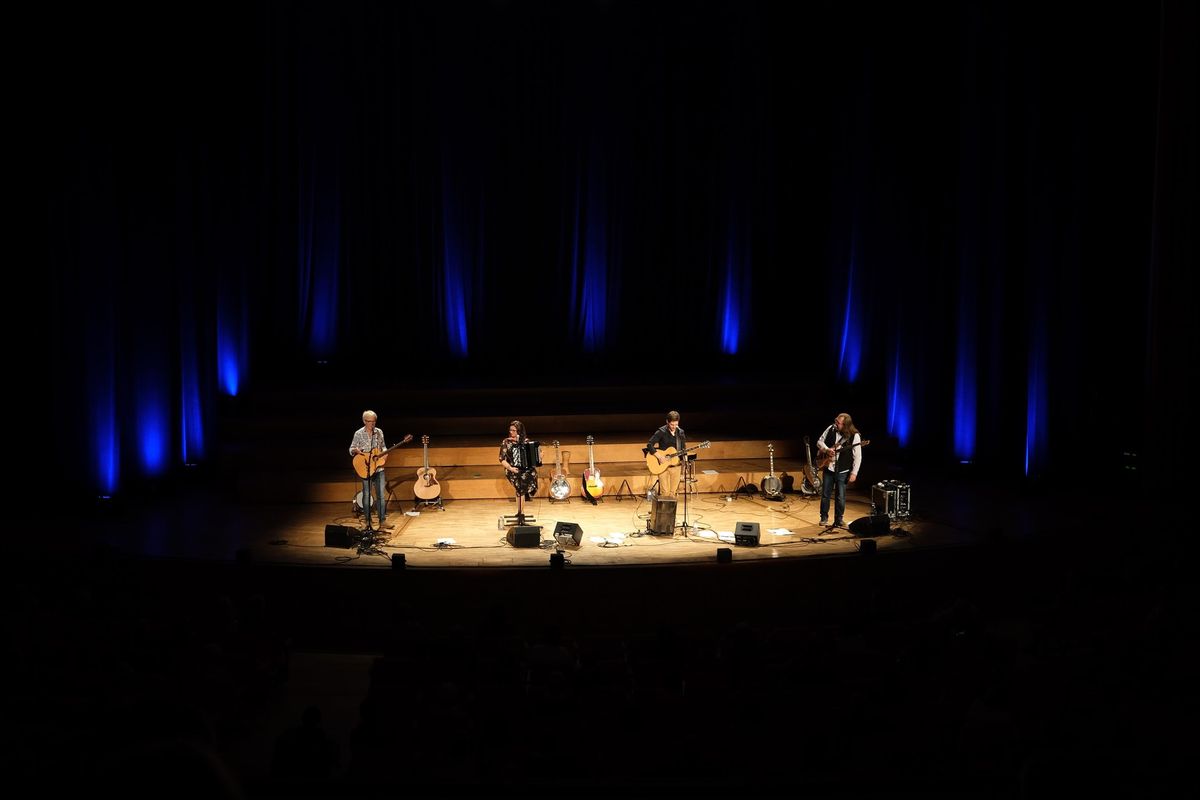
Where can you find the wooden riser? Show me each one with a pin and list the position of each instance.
(626, 450)
(476, 483)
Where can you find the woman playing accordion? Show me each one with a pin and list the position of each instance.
(520, 459)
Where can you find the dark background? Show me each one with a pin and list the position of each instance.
(969, 223)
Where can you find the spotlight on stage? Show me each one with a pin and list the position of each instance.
(724, 555)
(398, 561)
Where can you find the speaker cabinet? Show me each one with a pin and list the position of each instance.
(525, 536)
(338, 536)
(662, 516)
(568, 529)
(746, 533)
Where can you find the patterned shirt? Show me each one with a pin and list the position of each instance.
(367, 443)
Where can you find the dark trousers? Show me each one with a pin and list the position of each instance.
(829, 479)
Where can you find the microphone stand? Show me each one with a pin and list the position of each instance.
(367, 543)
(684, 460)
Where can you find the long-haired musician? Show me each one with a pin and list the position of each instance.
(842, 441)
(523, 477)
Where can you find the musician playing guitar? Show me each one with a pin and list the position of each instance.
(368, 441)
(840, 446)
(669, 435)
(523, 479)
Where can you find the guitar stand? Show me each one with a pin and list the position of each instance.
(735, 492)
(553, 501)
(436, 503)
(625, 491)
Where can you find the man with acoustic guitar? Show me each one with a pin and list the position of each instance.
(668, 436)
(369, 443)
(840, 449)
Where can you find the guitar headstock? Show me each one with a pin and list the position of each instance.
(771, 448)
(425, 440)
(806, 442)
(556, 442)
(705, 444)
(407, 438)
(591, 439)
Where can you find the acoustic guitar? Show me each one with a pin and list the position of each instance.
(657, 467)
(826, 458)
(593, 485)
(810, 474)
(367, 464)
(427, 486)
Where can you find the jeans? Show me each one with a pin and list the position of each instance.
(380, 496)
(828, 480)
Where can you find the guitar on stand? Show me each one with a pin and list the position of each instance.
(593, 485)
(810, 474)
(427, 491)
(560, 489)
(772, 487)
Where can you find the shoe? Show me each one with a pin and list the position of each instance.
(837, 523)
(824, 522)
(384, 525)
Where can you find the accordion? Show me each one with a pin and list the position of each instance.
(525, 455)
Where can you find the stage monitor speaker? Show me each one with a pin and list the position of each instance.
(746, 533)
(662, 516)
(525, 536)
(568, 529)
(337, 536)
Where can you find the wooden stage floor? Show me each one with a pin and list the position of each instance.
(467, 533)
